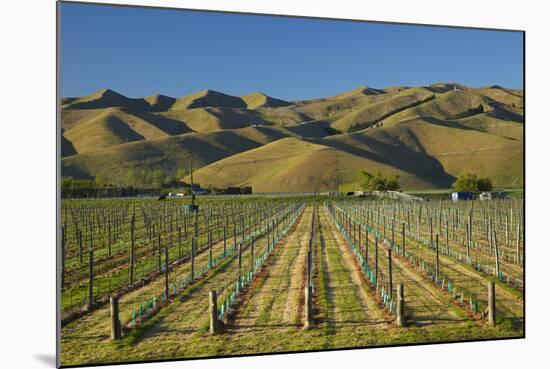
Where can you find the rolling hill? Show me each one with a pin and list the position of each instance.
(429, 135)
(293, 164)
(104, 99)
(205, 98)
(209, 119)
(171, 153)
(259, 100)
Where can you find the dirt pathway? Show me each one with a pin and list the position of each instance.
(425, 303)
(275, 304)
(350, 300)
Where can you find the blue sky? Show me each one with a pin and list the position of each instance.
(143, 51)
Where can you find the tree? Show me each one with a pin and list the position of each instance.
(143, 179)
(157, 178)
(484, 184)
(379, 182)
(101, 179)
(471, 183)
(70, 182)
(131, 178)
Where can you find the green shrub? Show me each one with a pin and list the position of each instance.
(470, 182)
(379, 182)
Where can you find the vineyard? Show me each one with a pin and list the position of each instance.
(151, 280)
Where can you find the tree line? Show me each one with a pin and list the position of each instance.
(390, 182)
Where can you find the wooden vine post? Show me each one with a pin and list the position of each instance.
(252, 253)
(491, 311)
(115, 321)
(437, 258)
(518, 258)
(159, 253)
(308, 301)
(273, 234)
(392, 233)
(240, 257)
(400, 305)
(80, 247)
(366, 246)
(490, 236)
(497, 263)
(166, 270)
(213, 310)
(418, 223)
(91, 277)
(235, 233)
(471, 229)
(171, 232)
(308, 307)
(447, 236)
(267, 232)
(403, 239)
(210, 249)
(390, 274)
(132, 251)
(91, 270)
(179, 241)
(469, 235)
(110, 252)
(225, 237)
(376, 260)
(193, 242)
(309, 262)
(431, 233)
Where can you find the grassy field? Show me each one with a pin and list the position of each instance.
(268, 314)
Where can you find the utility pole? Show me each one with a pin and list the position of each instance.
(194, 206)
(194, 210)
(192, 184)
(336, 179)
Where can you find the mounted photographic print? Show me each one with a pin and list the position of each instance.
(241, 184)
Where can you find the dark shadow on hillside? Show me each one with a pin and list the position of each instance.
(501, 112)
(313, 129)
(274, 134)
(121, 129)
(167, 125)
(458, 124)
(167, 153)
(71, 170)
(425, 167)
(236, 118)
(448, 123)
(67, 148)
(497, 87)
(444, 87)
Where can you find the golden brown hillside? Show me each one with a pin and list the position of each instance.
(427, 134)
